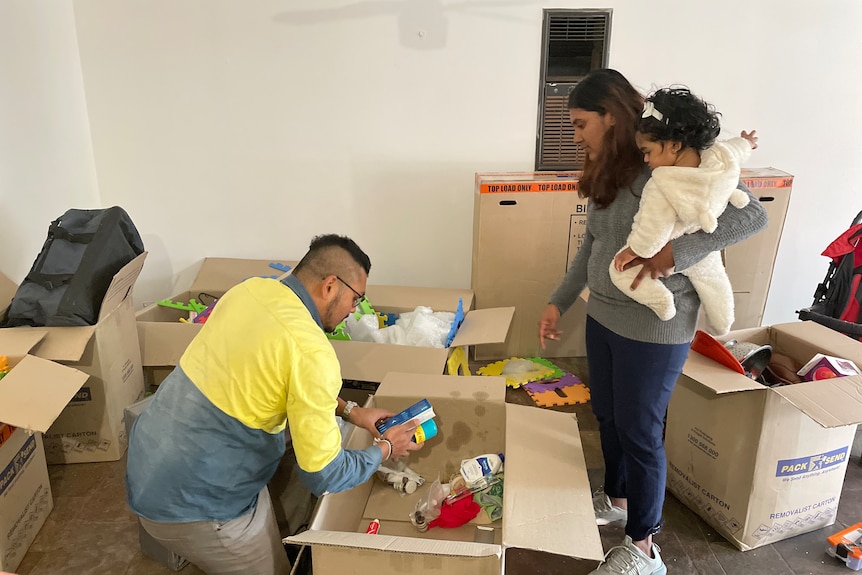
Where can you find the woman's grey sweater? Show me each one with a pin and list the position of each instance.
(607, 231)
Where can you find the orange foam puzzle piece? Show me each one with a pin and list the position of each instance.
(569, 395)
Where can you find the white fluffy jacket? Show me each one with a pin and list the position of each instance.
(679, 201)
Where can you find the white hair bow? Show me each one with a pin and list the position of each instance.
(650, 111)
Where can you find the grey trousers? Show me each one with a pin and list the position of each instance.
(247, 545)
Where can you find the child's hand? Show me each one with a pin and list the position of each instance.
(622, 258)
(751, 137)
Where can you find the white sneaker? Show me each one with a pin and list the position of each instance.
(606, 512)
(628, 559)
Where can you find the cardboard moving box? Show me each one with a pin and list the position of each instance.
(762, 464)
(91, 426)
(547, 499)
(163, 338)
(32, 395)
(365, 361)
(527, 228)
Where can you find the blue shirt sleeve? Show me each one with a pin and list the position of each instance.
(351, 467)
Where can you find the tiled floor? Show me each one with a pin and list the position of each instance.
(91, 532)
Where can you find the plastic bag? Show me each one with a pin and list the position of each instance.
(428, 507)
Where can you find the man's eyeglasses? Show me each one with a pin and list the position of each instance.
(359, 296)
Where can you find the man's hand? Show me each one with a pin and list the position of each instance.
(624, 257)
(366, 418)
(660, 265)
(548, 324)
(401, 437)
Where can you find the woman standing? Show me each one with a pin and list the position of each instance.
(634, 357)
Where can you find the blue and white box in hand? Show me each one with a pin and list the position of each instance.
(420, 411)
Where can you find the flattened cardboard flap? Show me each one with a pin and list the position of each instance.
(121, 286)
(395, 544)
(559, 498)
(715, 376)
(17, 342)
(34, 393)
(221, 274)
(829, 402)
(64, 343)
(485, 326)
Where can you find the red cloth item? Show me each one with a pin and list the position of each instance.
(456, 514)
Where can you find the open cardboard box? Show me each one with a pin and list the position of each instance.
(32, 395)
(547, 499)
(365, 361)
(163, 338)
(91, 427)
(763, 464)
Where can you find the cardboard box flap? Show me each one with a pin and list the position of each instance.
(715, 376)
(406, 298)
(829, 402)
(8, 288)
(801, 335)
(558, 499)
(34, 393)
(221, 274)
(121, 286)
(17, 342)
(485, 326)
(64, 343)
(395, 544)
(164, 343)
(365, 361)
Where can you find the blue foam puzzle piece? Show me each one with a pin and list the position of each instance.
(280, 267)
(456, 323)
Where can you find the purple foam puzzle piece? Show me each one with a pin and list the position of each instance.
(549, 385)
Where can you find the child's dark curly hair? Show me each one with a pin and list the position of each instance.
(685, 118)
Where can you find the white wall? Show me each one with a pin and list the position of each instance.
(46, 158)
(243, 129)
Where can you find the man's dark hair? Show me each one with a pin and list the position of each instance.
(326, 256)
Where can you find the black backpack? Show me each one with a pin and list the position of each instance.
(72, 273)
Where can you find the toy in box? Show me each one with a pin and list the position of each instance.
(847, 546)
(825, 367)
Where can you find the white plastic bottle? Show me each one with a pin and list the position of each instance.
(474, 469)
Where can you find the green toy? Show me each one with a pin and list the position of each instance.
(363, 308)
(193, 305)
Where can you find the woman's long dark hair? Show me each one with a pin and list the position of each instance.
(606, 91)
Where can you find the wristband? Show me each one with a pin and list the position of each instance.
(379, 440)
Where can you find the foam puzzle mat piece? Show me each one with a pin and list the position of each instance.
(551, 384)
(569, 395)
(516, 380)
(547, 363)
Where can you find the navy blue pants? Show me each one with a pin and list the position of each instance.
(630, 386)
